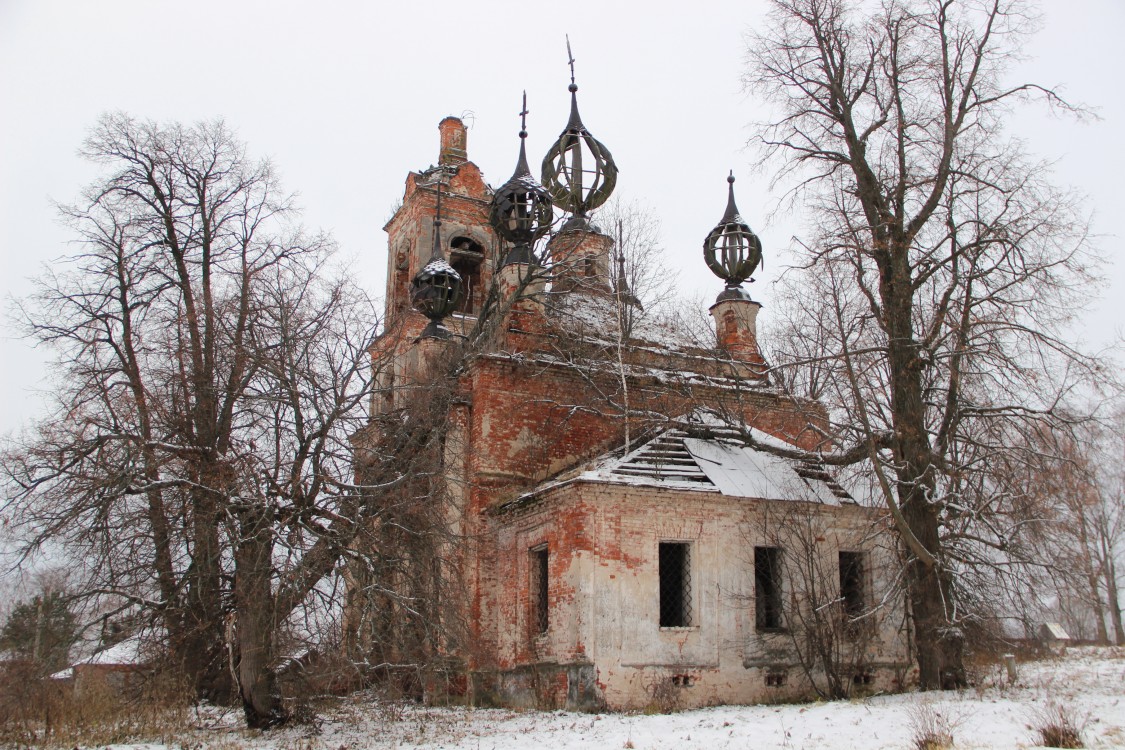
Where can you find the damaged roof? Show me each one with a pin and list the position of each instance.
(716, 459)
(724, 464)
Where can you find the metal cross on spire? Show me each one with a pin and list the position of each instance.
(573, 86)
(523, 116)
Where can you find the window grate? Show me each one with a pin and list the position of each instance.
(675, 584)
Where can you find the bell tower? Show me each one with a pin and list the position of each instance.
(466, 240)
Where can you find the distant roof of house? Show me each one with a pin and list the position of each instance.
(126, 653)
(8, 656)
(1053, 630)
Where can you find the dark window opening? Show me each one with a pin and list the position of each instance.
(389, 387)
(675, 585)
(777, 677)
(863, 678)
(683, 680)
(767, 587)
(591, 266)
(540, 603)
(467, 258)
(851, 583)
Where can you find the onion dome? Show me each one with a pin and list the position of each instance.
(732, 250)
(578, 171)
(521, 210)
(436, 289)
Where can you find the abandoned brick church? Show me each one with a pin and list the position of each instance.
(613, 515)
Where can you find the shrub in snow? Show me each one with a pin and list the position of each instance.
(930, 729)
(1056, 726)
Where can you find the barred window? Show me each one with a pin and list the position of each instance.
(675, 584)
(540, 604)
(852, 583)
(767, 587)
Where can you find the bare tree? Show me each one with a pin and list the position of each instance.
(1073, 488)
(942, 270)
(209, 374)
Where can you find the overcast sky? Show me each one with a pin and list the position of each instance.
(345, 98)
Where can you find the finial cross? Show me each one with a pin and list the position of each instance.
(571, 56)
(523, 115)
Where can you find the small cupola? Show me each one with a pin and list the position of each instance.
(578, 170)
(436, 289)
(521, 210)
(732, 250)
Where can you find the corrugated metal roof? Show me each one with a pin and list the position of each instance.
(741, 471)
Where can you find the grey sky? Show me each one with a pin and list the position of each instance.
(345, 98)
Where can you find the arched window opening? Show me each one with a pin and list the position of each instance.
(467, 258)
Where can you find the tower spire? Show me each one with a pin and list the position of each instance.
(578, 170)
(436, 289)
(521, 209)
(732, 251)
(437, 251)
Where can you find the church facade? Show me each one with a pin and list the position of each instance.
(586, 508)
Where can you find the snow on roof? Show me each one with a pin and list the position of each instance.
(720, 463)
(1053, 631)
(594, 317)
(128, 652)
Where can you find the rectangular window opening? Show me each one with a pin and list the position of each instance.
(767, 587)
(540, 603)
(675, 584)
(852, 592)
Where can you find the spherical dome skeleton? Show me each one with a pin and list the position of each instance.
(436, 289)
(578, 170)
(521, 210)
(732, 250)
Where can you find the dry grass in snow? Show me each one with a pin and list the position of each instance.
(1087, 686)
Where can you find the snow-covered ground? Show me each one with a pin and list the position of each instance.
(1089, 683)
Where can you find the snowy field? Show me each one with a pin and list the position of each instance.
(1089, 683)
